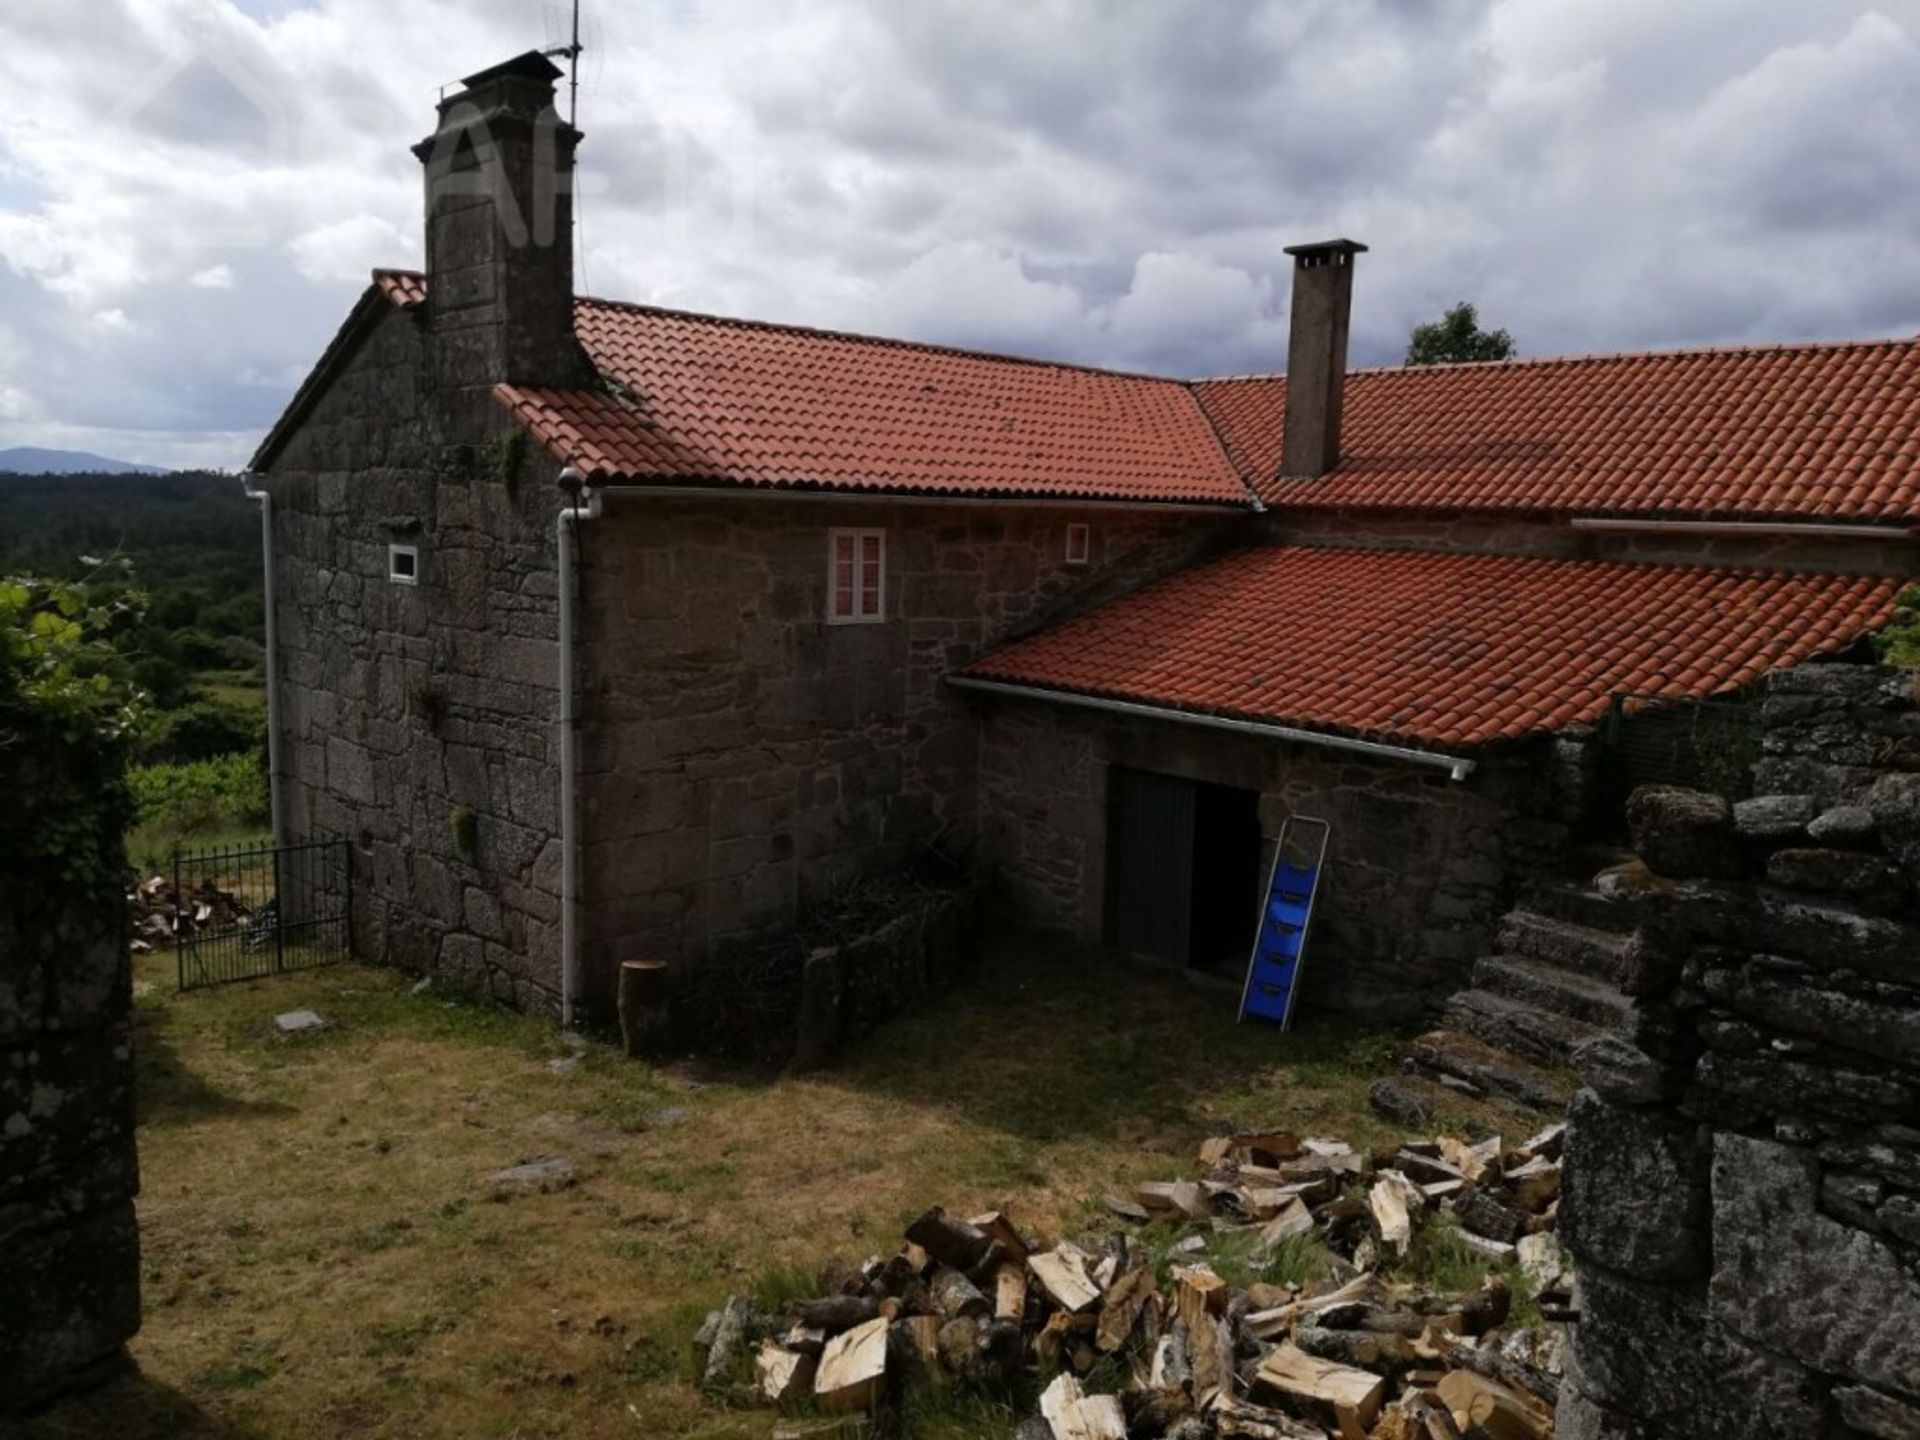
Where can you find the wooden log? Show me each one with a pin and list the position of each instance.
(782, 1375)
(1210, 1352)
(1000, 1230)
(1394, 1201)
(1472, 1161)
(1171, 1368)
(1125, 1209)
(1487, 1361)
(1073, 1414)
(1237, 1420)
(1473, 1399)
(1192, 1200)
(853, 1369)
(1347, 1398)
(1294, 1218)
(1534, 1185)
(1126, 1298)
(949, 1241)
(1063, 1276)
(1364, 1349)
(644, 1002)
(1010, 1292)
(835, 1313)
(955, 1295)
(1155, 1195)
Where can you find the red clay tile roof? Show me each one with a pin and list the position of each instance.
(1812, 431)
(1437, 649)
(707, 400)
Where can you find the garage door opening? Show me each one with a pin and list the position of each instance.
(1183, 869)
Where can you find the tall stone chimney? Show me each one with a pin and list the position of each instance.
(499, 206)
(1317, 355)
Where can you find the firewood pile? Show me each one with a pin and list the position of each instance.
(1181, 1352)
(153, 904)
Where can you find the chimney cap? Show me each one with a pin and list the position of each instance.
(1321, 251)
(530, 66)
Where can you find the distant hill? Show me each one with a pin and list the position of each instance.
(27, 460)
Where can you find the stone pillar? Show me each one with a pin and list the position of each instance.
(1317, 355)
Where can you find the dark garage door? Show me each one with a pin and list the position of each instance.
(1183, 868)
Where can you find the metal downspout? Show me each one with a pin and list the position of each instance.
(585, 505)
(265, 501)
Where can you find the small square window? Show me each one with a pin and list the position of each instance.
(403, 564)
(856, 577)
(1079, 544)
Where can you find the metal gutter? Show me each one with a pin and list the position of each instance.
(584, 505)
(1457, 767)
(1754, 528)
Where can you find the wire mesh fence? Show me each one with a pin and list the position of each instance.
(241, 912)
(1701, 744)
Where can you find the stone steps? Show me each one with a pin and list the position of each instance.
(1516, 1025)
(1551, 988)
(1580, 904)
(1469, 1063)
(1566, 944)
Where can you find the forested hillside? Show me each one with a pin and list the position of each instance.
(190, 543)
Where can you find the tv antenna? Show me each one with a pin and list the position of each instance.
(572, 51)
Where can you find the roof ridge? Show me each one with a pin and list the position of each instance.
(890, 341)
(1600, 357)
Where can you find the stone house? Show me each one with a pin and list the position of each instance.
(605, 631)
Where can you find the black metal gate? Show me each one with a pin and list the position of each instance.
(1700, 744)
(241, 912)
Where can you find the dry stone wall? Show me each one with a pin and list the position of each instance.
(1743, 1172)
(1420, 866)
(69, 1247)
(418, 720)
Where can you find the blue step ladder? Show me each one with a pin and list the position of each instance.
(1279, 950)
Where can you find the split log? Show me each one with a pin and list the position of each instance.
(1064, 1278)
(1237, 1420)
(1534, 1185)
(1197, 1294)
(1294, 1218)
(1542, 1261)
(1394, 1200)
(1364, 1349)
(853, 1369)
(1073, 1414)
(835, 1313)
(1347, 1398)
(1472, 1161)
(1484, 1215)
(729, 1339)
(1210, 1352)
(952, 1242)
(1125, 1209)
(1473, 1400)
(1495, 1366)
(1191, 1200)
(805, 1340)
(782, 1375)
(644, 998)
(1010, 1292)
(1171, 1368)
(1126, 1298)
(1000, 1230)
(918, 1337)
(1155, 1195)
(954, 1295)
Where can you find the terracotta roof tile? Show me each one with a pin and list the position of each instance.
(1451, 650)
(405, 288)
(1806, 432)
(708, 400)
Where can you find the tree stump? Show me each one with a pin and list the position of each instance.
(645, 1026)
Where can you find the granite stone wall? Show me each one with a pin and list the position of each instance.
(418, 720)
(1553, 537)
(1420, 866)
(69, 1247)
(1743, 1172)
(742, 758)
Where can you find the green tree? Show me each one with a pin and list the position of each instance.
(1455, 337)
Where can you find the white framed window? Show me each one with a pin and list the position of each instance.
(1079, 544)
(403, 564)
(856, 577)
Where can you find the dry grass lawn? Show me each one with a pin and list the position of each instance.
(321, 1258)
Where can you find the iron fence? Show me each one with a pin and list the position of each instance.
(241, 912)
(1701, 744)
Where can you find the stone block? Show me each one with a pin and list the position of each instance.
(1623, 1074)
(1634, 1195)
(73, 1300)
(1753, 1089)
(1792, 1280)
(1894, 802)
(1683, 834)
(1881, 1021)
(1843, 825)
(1773, 817)
(1840, 872)
(1872, 1413)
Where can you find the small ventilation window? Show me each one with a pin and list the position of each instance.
(856, 577)
(403, 564)
(1079, 544)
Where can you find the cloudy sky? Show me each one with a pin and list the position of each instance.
(192, 191)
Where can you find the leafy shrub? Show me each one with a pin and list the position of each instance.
(206, 730)
(201, 794)
(1899, 643)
